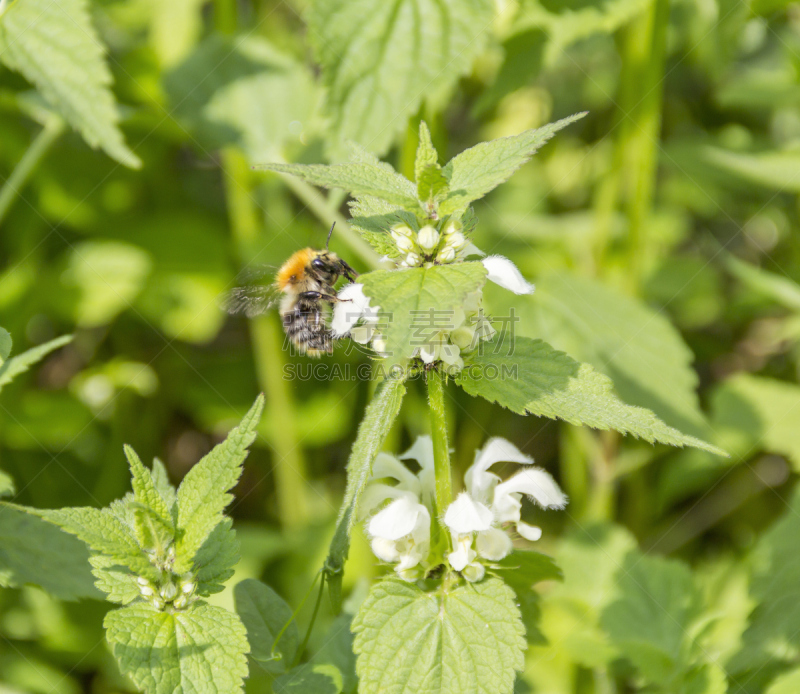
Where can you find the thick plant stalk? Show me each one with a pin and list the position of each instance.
(441, 447)
(265, 331)
(52, 130)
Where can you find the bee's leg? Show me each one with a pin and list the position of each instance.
(348, 272)
(319, 296)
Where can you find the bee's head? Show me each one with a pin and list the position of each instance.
(325, 266)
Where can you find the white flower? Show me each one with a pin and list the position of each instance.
(353, 305)
(503, 272)
(489, 502)
(400, 533)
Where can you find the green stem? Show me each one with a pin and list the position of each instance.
(225, 16)
(46, 138)
(269, 356)
(303, 645)
(294, 615)
(645, 52)
(441, 447)
(317, 203)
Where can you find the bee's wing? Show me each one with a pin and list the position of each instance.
(256, 272)
(251, 300)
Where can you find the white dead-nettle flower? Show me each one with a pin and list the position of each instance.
(477, 515)
(400, 533)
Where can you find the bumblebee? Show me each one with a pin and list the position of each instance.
(303, 287)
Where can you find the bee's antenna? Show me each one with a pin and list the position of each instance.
(329, 236)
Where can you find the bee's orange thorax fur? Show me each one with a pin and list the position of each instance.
(294, 269)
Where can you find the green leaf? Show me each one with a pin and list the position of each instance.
(7, 486)
(243, 91)
(772, 637)
(775, 287)
(378, 418)
(216, 558)
(763, 409)
(778, 171)
(54, 45)
(5, 344)
(638, 348)
(108, 277)
(115, 580)
(337, 650)
(35, 552)
(651, 621)
(523, 568)
(787, 683)
(264, 614)
(311, 678)
(104, 533)
(590, 558)
(13, 367)
(204, 492)
(463, 640)
(431, 182)
(358, 179)
(479, 169)
(145, 490)
(530, 377)
(520, 570)
(382, 59)
(162, 483)
(413, 301)
(200, 649)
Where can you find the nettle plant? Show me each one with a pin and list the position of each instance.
(453, 614)
(457, 606)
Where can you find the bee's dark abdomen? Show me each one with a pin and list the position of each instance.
(305, 327)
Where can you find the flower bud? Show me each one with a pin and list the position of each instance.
(142, 581)
(158, 603)
(146, 591)
(412, 259)
(463, 337)
(455, 240)
(180, 602)
(403, 242)
(402, 230)
(446, 255)
(452, 228)
(187, 587)
(428, 238)
(169, 591)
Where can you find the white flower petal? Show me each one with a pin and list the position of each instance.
(362, 333)
(348, 311)
(374, 495)
(474, 572)
(385, 550)
(463, 553)
(471, 249)
(529, 532)
(507, 507)
(397, 520)
(479, 482)
(465, 515)
(503, 272)
(386, 465)
(421, 451)
(493, 544)
(535, 483)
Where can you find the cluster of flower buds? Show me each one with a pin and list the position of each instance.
(481, 520)
(176, 591)
(430, 244)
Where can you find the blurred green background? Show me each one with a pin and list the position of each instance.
(661, 232)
